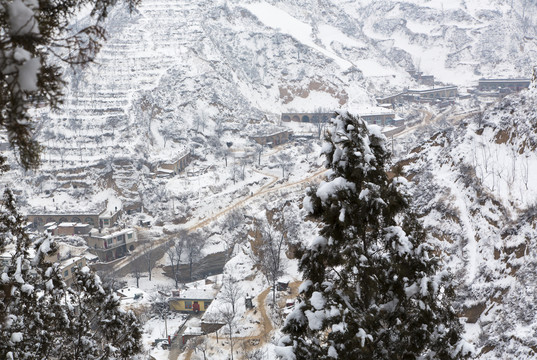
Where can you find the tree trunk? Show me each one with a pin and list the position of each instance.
(190, 270)
(231, 342)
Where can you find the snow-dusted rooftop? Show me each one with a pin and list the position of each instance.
(207, 293)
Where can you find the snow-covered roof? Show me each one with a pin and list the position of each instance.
(202, 294)
(67, 224)
(107, 214)
(90, 212)
(193, 330)
(370, 110)
(505, 80)
(70, 261)
(91, 257)
(425, 91)
(167, 159)
(107, 233)
(129, 292)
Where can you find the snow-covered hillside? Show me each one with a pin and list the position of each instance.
(172, 65)
(477, 195)
(203, 76)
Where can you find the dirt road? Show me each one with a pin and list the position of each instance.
(266, 189)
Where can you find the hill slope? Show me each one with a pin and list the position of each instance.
(478, 200)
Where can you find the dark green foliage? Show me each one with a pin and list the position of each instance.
(41, 318)
(371, 288)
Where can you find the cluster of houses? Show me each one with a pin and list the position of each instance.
(67, 265)
(500, 87)
(420, 96)
(377, 116)
(106, 241)
(485, 87)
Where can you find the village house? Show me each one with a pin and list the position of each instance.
(103, 219)
(421, 96)
(108, 218)
(497, 85)
(67, 268)
(192, 300)
(307, 117)
(40, 219)
(422, 79)
(174, 167)
(393, 100)
(447, 92)
(109, 245)
(273, 139)
(67, 229)
(379, 118)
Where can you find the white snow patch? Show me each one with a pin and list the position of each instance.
(276, 18)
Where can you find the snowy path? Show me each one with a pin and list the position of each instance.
(470, 255)
(266, 189)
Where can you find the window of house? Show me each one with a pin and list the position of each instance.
(188, 304)
(106, 222)
(129, 236)
(66, 273)
(110, 241)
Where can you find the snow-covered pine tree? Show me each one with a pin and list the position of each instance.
(41, 318)
(98, 327)
(372, 287)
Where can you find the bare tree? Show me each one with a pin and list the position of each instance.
(285, 162)
(201, 344)
(172, 256)
(258, 151)
(233, 220)
(223, 152)
(228, 317)
(179, 246)
(270, 254)
(233, 223)
(308, 149)
(149, 258)
(244, 162)
(137, 274)
(219, 127)
(230, 293)
(256, 354)
(234, 172)
(203, 121)
(62, 151)
(193, 244)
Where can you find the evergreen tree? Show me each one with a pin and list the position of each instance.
(41, 318)
(371, 287)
